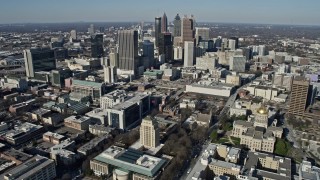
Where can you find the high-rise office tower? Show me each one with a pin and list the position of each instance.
(177, 26)
(232, 44)
(202, 34)
(299, 96)
(238, 63)
(166, 46)
(97, 45)
(164, 23)
(110, 74)
(128, 50)
(91, 29)
(187, 29)
(236, 43)
(149, 133)
(157, 29)
(148, 52)
(73, 34)
(189, 55)
(262, 50)
(39, 59)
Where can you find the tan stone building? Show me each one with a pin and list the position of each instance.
(149, 133)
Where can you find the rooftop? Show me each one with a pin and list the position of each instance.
(86, 83)
(131, 160)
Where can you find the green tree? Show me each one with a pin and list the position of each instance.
(214, 135)
(282, 147)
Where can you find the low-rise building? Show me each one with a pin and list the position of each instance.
(62, 153)
(78, 122)
(211, 88)
(16, 156)
(99, 116)
(53, 138)
(132, 162)
(23, 133)
(89, 147)
(14, 83)
(100, 129)
(36, 168)
(266, 166)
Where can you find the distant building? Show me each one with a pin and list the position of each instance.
(211, 88)
(202, 34)
(206, 63)
(166, 46)
(87, 88)
(164, 23)
(157, 29)
(73, 35)
(149, 133)
(189, 53)
(148, 53)
(97, 46)
(177, 26)
(187, 29)
(36, 168)
(39, 59)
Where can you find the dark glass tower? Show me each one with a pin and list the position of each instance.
(177, 26)
(39, 59)
(97, 46)
(128, 50)
(166, 46)
(157, 28)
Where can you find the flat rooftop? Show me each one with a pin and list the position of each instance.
(131, 160)
(134, 100)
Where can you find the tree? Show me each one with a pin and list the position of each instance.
(282, 147)
(214, 135)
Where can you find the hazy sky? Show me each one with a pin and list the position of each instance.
(241, 11)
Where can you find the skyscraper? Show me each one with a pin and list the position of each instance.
(157, 29)
(166, 46)
(237, 42)
(189, 55)
(97, 46)
(110, 74)
(149, 133)
(128, 50)
(232, 44)
(187, 29)
(164, 23)
(177, 26)
(148, 52)
(38, 59)
(299, 96)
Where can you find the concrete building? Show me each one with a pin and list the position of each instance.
(110, 74)
(78, 122)
(91, 146)
(308, 172)
(238, 63)
(63, 153)
(39, 59)
(111, 99)
(100, 129)
(299, 96)
(233, 79)
(187, 29)
(53, 138)
(129, 113)
(283, 80)
(23, 133)
(178, 53)
(202, 34)
(266, 166)
(149, 133)
(232, 44)
(14, 83)
(81, 89)
(37, 168)
(211, 88)
(189, 53)
(127, 163)
(128, 51)
(99, 116)
(157, 30)
(206, 62)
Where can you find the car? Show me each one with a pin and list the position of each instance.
(189, 171)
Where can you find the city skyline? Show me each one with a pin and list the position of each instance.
(274, 12)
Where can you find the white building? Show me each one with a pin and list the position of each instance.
(189, 53)
(110, 74)
(206, 63)
(238, 63)
(211, 88)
